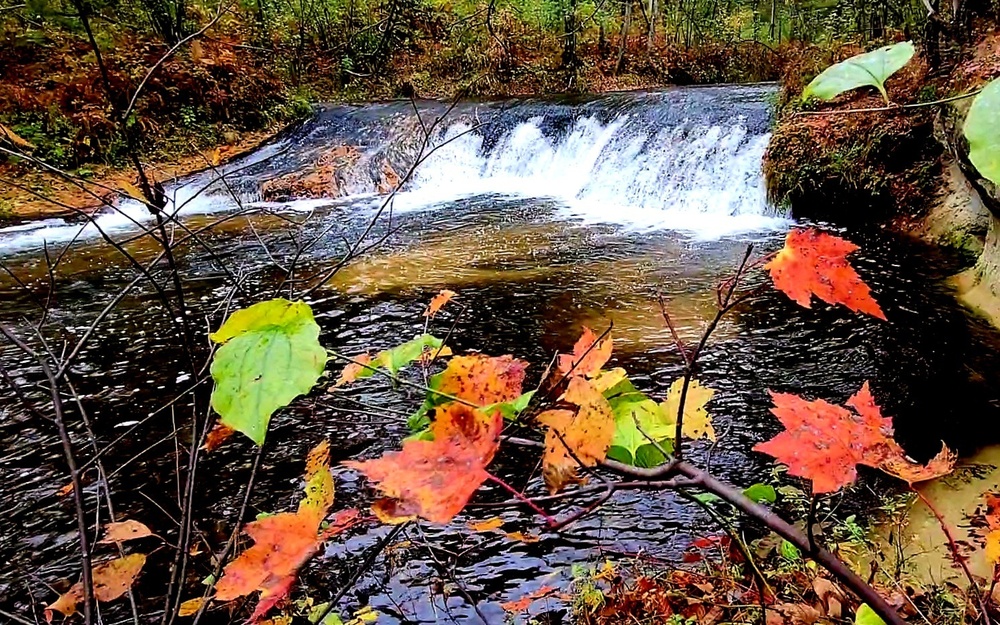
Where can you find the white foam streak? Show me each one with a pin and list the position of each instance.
(705, 180)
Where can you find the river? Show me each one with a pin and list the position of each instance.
(543, 215)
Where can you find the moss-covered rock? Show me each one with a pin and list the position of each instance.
(851, 167)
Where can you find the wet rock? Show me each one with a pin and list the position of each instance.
(338, 172)
(318, 180)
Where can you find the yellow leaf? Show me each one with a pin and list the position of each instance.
(524, 538)
(485, 526)
(607, 379)
(697, 422)
(191, 606)
(993, 547)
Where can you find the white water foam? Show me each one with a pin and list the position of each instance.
(704, 180)
(190, 197)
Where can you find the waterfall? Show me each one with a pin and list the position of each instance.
(685, 159)
(705, 179)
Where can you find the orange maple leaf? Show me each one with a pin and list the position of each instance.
(218, 435)
(815, 263)
(483, 380)
(588, 356)
(522, 604)
(435, 479)
(122, 531)
(283, 542)
(575, 438)
(111, 580)
(438, 301)
(824, 443)
(352, 370)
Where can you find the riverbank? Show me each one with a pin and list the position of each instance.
(904, 166)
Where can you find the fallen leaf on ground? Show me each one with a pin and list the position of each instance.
(485, 526)
(522, 604)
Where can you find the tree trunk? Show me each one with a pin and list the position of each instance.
(651, 37)
(623, 38)
(569, 59)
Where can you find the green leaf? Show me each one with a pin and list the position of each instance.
(761, 492)
(511, 409)
(789, 551)
(866, 616)
(982, 129)
(707, 497)
(870, 69)
(270, 355)
(400, 356)
(629, 442)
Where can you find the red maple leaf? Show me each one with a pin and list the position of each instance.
(435, 479)
(824, 443)
(815, 263)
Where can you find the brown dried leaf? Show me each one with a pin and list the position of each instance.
(123, 531)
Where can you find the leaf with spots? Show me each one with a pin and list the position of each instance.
(589, 355)
(483, 380)
(111, 580)
(283, 542)
(434, 479)
(815, 263)
(270, 355)
(576, 437)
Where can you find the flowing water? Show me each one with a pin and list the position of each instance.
(544, 215)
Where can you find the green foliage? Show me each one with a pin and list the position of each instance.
(392, 360)
(270, 354)
(870, 69)
(761, 493)
(866, 616)
(982, 129)
(637, 419)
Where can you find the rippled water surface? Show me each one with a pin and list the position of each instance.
(654, 209)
